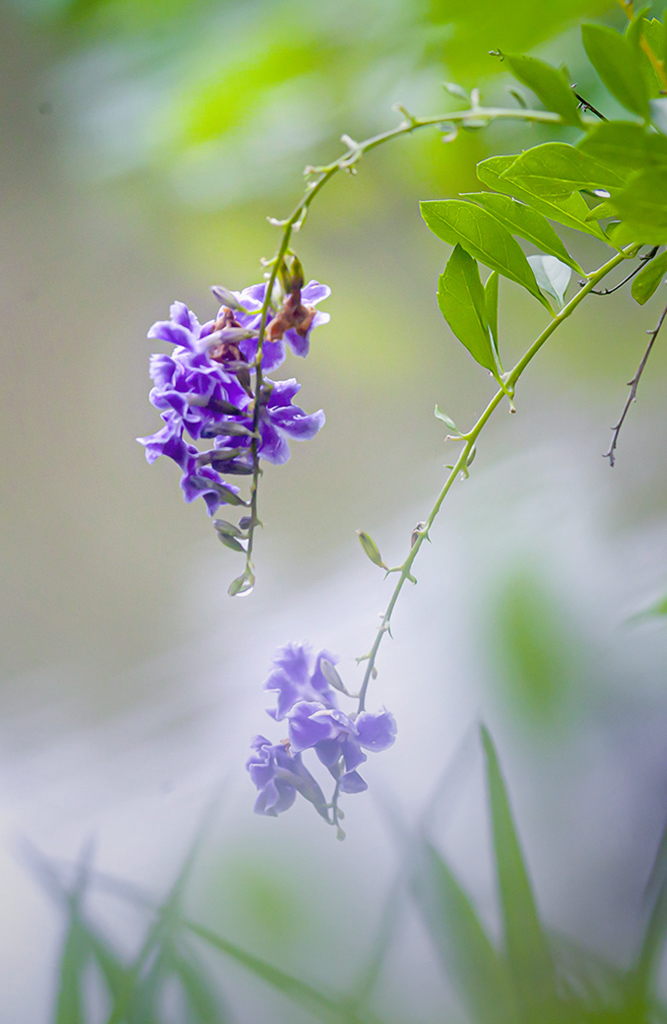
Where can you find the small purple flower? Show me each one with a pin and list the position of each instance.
(274, 352)
(338, 740)
(295, 678)
(278, 775)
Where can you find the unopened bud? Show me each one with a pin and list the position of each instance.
(226, 298)
(371, 549)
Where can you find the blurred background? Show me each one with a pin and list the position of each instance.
(143, 146)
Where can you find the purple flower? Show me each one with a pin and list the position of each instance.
(295, 678)
(278, 775)
(298, 339)
(338, 740)
(202, 388)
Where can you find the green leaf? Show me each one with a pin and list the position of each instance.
(526, 222)
(549, 85)
(552, 276)
(648, 279)
(558, 169)
(464, 947)
(461, 302)
(617, 63)
(642, 205)
(571, 211)
(483, 237)
(526, 945)
(491, 305)
(625, 146)
(371, 549)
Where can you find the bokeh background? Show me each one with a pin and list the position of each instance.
(143, 146)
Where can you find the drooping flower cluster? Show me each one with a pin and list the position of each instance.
(203, 388)
(306, 699)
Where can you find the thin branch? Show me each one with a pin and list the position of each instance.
(633, 385)
(585, 105)
(633, 273)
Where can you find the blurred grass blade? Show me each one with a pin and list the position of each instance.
(528, 953)
(113, 969)
(466, 951)
(204, 1003)
(320, 1005)
(652, 946)
(74, 960)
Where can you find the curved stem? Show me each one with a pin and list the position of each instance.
(461, 463)
(475, 114)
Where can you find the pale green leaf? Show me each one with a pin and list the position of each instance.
(482, 236)
(549, 84)
(571, 211)
(659, 114)
(461, 302)
(649, 277)
(526, 222)
(552, 276)
(618, 64)
(371, 549)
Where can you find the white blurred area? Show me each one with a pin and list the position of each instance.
(131, 683)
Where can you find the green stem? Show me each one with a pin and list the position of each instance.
(296, 218)
(470, 438)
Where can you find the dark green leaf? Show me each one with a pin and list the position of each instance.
(371, 548)
(552, 276)
(461, 302)
(642, 205)
(571, 211)
(558, 169)
(526, 222)
(649, 277)
(483, 237)
(549, 84)
(617, 63)
(526, 945)
(625, 146)
(464, 947)
(491, 305)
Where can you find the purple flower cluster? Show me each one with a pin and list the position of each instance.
(305, 698)
(202, 388)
